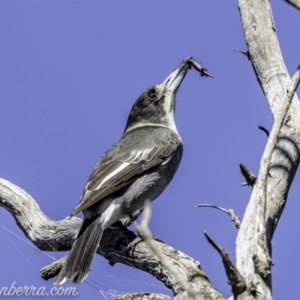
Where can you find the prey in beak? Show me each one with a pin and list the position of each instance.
(174, 80)
(156, 106)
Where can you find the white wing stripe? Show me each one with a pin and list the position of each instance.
(116, 171)
(167, 160)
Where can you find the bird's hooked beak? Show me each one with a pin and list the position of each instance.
(174, 80)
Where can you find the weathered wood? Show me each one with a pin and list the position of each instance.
(142, 296)
(229, 212)
(281, 157)
(118, 244)
(235, 279)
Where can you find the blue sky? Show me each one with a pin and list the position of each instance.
(70, 72)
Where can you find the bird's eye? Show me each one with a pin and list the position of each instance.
(152, 95)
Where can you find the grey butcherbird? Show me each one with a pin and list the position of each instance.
(134, 170)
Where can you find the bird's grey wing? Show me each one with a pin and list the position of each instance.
(115, 171)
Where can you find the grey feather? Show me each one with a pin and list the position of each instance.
(80, 257)
(151, 153)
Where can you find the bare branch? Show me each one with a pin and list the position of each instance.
(295, 3)
(274, 134)
(229, 212)
(246, 53)
(264, 130)
(249, 176)
(53, 269)
(281, 156)
(264, 258)
(44, 233)
(235, 279)
(118, 244)
(147, 237)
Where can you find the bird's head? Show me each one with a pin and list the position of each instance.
(156, 106)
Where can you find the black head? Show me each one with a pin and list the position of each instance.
(156, 106)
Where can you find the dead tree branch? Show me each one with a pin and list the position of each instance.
(248, 175)
(281, 156)
(235, 279)
(246, 53)
(53, 269)
(118, 245)
(145, 232)
(229, 212)
(264, 130)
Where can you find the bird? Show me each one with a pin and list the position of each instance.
(135, 170)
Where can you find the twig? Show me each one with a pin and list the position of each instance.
(229, 212)
(250, 177)
(246, 53)
(264, 130)
(145, 232)
(235, 279)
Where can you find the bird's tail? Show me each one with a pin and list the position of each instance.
(76, 266)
